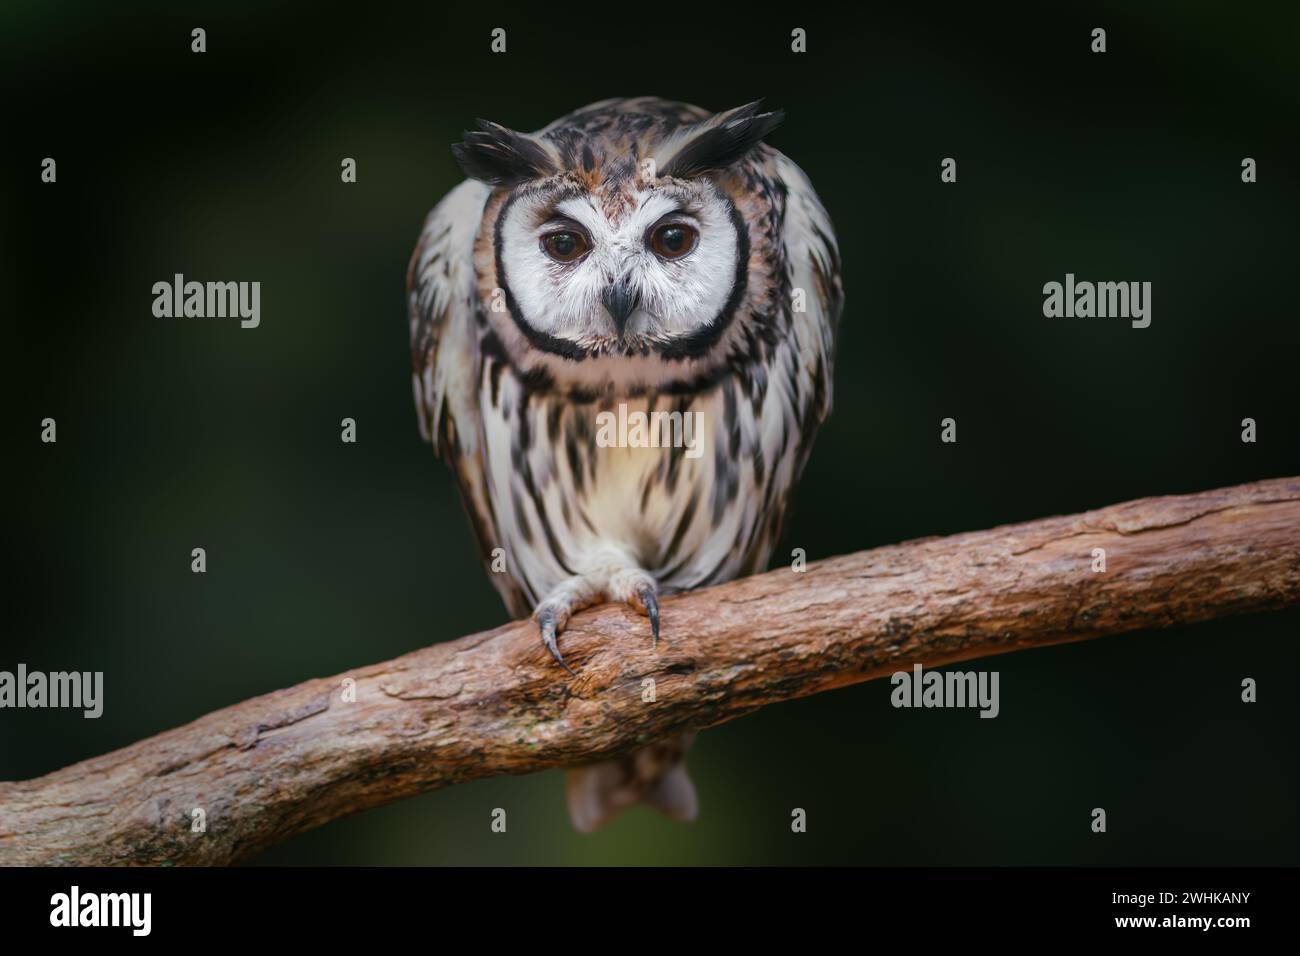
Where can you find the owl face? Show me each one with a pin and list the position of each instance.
(632, 268)
(616, 250)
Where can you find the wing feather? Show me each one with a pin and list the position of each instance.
(446, 365)
(440, 286)
(814, 261)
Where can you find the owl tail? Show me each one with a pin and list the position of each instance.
(655, 775)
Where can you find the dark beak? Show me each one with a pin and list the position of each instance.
(621, 302)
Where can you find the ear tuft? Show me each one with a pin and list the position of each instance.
(498, 156)
(721, 140)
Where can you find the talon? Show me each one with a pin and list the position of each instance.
(651, 602)
(547, 621)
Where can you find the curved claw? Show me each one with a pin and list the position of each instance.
(651, 602)
(547, 621)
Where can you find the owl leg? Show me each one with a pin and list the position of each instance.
(627, 585)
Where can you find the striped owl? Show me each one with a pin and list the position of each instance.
(636, 256)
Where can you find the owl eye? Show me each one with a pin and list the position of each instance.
(565, 245)
(673, 240)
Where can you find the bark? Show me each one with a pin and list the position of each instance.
(495, 703)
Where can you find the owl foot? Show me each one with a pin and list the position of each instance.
(646, 601)
(640, 592)
(632, 587)
(551, 621)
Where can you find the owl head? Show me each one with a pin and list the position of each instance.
(618, 243)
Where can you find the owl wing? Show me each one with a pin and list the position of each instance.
(442, 302)
(813, 259)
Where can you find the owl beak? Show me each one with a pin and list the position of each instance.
(620, 301)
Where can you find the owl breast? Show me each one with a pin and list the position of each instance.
(692, 488)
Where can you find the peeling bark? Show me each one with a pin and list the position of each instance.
(495, 703)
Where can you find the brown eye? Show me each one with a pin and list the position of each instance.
(565, 245)
(673, 240)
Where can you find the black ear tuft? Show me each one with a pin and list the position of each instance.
(722, 140)
(498, 156)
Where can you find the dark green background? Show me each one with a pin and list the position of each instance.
(323, 556)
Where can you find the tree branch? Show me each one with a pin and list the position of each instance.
(495, 703)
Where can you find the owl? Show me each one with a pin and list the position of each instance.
(637, 261)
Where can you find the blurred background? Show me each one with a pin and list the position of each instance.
(175, 434)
